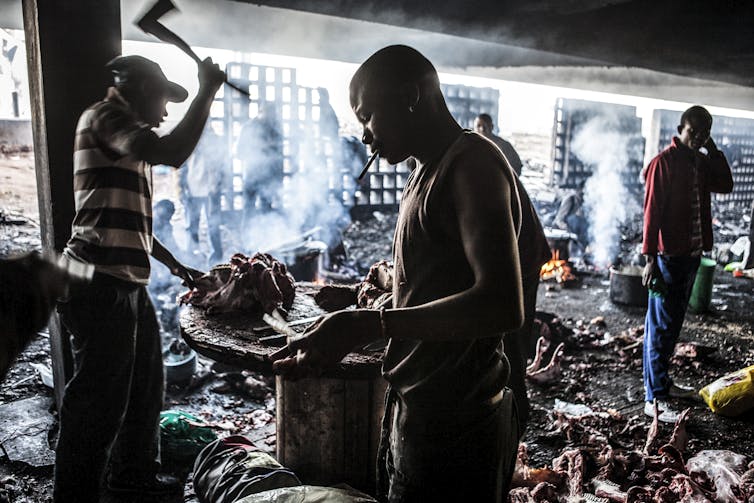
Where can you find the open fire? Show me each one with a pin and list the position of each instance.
(557, 269)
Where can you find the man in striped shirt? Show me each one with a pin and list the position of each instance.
(677, 229)
(109, 418)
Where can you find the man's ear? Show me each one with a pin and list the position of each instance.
(144, 88)
(410, 95)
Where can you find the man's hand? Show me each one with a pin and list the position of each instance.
(187, 274)
(650, 270)
(211, 77)
(710, 145)
(327, 341)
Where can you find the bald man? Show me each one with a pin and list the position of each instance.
(450, 428)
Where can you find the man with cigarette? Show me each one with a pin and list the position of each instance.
(677, 229)
(110, 411)
(450, 431)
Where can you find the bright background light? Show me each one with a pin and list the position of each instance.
(524, 108)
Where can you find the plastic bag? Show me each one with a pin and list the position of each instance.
(182, 437)
(731, 394)
(309, 494)
(231, 468)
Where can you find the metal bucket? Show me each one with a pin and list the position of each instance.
(179, 368)
(701, 293)
(559, 241)
(626, 287)
(305, 261)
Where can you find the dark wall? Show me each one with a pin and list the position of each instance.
(67, 46)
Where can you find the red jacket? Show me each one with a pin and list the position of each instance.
(667, 197)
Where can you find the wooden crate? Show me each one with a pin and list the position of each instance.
(328, 430)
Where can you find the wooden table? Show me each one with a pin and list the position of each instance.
(328, 427)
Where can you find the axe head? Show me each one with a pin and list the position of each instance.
(150, 23)
(153, 15)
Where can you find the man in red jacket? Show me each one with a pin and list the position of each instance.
(677, 229)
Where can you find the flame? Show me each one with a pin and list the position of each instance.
(319, 280)
(556, 269)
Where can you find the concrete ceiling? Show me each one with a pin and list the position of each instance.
(635, 47)
(697, 38)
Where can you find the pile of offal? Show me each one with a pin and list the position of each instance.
(601, 451)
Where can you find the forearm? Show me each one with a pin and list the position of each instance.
(175, 148)
(719, 173)
(163, 255)
(654, 206)
(650, 240)
(467, 315)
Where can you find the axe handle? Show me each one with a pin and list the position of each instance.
(166, 35)
(235, 86)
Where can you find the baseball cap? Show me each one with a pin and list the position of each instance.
(137, 68)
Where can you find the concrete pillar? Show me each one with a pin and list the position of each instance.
(67, 46)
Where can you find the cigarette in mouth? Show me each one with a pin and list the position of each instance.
(368, 164)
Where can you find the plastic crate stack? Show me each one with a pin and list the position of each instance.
(570, 116)
(386, 181)
(383, 188)
(733, 135)
(465, 102)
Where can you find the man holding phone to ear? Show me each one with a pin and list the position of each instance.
(677, 229)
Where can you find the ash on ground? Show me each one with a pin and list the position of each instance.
(601, 368)
(370, 240)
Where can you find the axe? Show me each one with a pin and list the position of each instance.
(149, 23)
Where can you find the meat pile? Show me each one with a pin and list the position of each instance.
(376, 291)
(535, 372)
(250, 284)
(605, 472)
(377, 288)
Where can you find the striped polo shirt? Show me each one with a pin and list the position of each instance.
(112, 187)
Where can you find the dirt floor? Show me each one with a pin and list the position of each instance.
(603, 380)
(216, 394)
(600, 368)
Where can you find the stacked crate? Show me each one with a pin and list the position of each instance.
(465, 102)
(318, 154)
(570, 116)
(733, 135)
(385, 183)
(383, 188)
(305, 147)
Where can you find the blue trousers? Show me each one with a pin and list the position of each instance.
(663, 323)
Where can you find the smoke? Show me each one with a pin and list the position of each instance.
(307, 199)
(607, 201)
